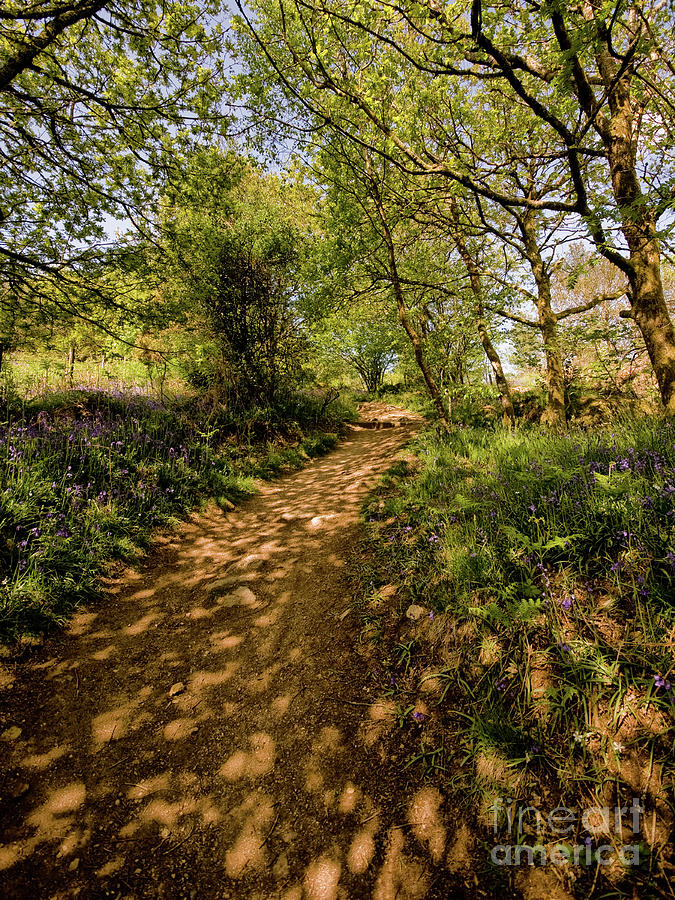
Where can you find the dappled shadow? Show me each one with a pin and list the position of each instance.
(208, 730)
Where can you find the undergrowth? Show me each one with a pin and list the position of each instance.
(546, 565)
(85, 478)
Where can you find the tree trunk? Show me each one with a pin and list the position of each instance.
(638, 224)
(648, 304)
(415, 339)
(71, 364)
(489, 348)
(555, 415)
(648, 308)
(418, 350)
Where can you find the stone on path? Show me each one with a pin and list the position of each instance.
(415, 612)
(289, 517)
(319, 521)
(11, 733)
(241, 596)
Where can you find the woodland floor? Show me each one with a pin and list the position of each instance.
(213, 728)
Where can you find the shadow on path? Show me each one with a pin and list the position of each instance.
(209, 729)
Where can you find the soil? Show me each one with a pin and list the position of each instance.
(212, 727)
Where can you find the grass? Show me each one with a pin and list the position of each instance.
(547, 565)
(40, 375)
(86, 476)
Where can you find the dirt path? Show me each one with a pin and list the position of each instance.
(211, 730)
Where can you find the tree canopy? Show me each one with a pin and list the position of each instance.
(96, 98)
(433, 162)
(550, 110)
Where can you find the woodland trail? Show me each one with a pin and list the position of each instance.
(211, 728)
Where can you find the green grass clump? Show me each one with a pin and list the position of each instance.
(511, 508)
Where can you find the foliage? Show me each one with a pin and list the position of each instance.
(510, 505)
(448, 98)
(96, 97)
(550, 564)
(366, 344)
(232, 251)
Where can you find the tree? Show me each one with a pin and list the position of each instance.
(598, 342)
(609, 60)
(387, 245)
(364, 339)
(475, 281)
(231, 251)
(95, 95)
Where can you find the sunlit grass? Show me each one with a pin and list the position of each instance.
(550, 563)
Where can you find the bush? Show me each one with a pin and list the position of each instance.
(390, 390)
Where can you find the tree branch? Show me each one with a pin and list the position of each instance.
(584, 307)
(514, 318)
(33, 46)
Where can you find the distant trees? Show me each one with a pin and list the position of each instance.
(364, 339)
(597, 344)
